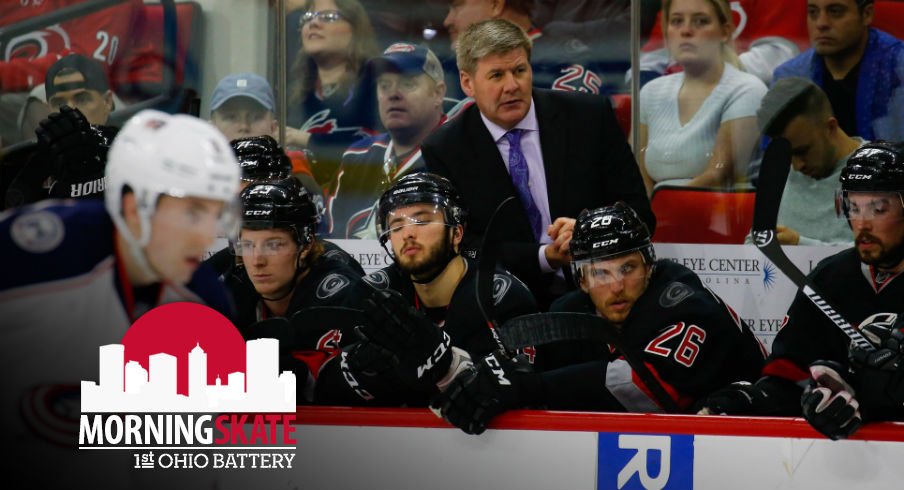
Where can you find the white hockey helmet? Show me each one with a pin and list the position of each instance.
(178, 155)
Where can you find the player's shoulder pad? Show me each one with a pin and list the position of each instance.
(839, 264)
(335, 253)
(53, 240)
(506, 285)
(675, 287)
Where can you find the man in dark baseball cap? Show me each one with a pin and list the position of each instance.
(80, 83)
(410, 91)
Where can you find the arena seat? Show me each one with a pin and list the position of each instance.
(140, 75)
(621, 103)
(701, 215)
(890, 18)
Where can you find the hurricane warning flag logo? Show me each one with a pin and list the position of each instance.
(183, 377)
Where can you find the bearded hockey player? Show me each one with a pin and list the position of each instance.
(814, 369)
(682, 336)
(423, 322)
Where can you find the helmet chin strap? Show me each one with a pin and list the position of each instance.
(136, 247)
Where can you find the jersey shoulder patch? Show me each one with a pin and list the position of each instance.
(674, 294)
(378, 279)
(331, 284)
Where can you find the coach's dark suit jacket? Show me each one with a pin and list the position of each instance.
(588, 164)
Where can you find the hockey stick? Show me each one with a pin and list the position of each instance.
(486, 270)
(771, 186)
(544, 328)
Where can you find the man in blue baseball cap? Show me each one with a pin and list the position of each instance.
(410, 91)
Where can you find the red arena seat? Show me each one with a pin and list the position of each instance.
(890, 18)
(701, 215)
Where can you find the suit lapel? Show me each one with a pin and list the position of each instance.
(487, 162)
(554, 143)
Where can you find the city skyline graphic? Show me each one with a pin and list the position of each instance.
(126, 386)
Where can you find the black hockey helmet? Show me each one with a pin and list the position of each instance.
(280, 204)
(608, 232)
(261, 158)
(874, 167)
(416, 188)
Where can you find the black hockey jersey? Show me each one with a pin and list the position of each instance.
(689, 339)
(808, 335)
(462, 319)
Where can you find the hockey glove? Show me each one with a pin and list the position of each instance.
(420, 351)
(739, 398)
(76, 149)
(828, 402)
(880, 373)
(495, 384)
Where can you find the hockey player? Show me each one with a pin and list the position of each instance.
(282, 266)
(807, 372)
(687, 339)
(423, 319)
(77, 274)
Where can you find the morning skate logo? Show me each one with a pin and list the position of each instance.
(184, 390)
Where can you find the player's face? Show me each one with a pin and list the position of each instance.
(94, 105)
(877, 221)
(408, 102)
(325, 34)
(836, 27)
(615, 285)
(270, 258)
(694, 32)
(241, 117)
(420, 238)
(501, 86)
(182, 229)
(812, 152)
(463, 13)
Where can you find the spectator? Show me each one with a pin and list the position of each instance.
(331, 105)
(767, 34)
(243, 105)
(410, 90)
(799, 111)
(69, 159)
(664, 315)
(858, 67)
(815, 368)
(565, 153)
(423, 306)
(555, 65)
(697, 127)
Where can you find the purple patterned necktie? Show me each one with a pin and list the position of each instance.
(521, 179)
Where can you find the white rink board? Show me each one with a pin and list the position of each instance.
(740, 274)
(353, 458)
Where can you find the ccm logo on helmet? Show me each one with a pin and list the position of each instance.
(860, 177)
(258, 212)
(605, 243)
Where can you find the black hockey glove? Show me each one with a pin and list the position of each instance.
(420, 351)
(828, 402)
(76, 149)
(739, 398)
(879, 374)
(493, 385)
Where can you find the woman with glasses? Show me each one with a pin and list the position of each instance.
(330, 106)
